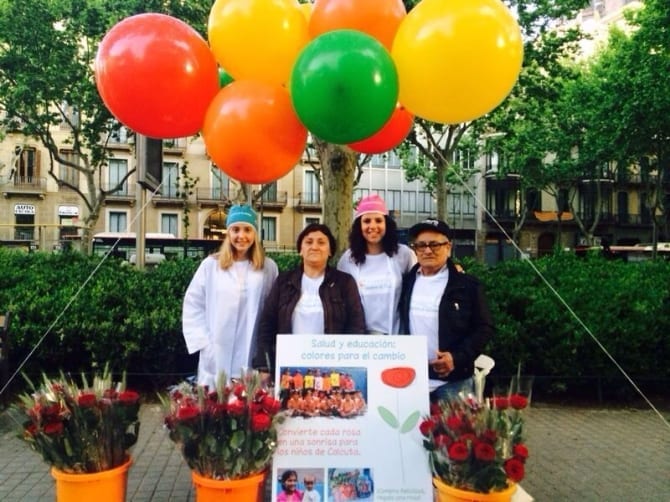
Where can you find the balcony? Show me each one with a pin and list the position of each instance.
(125, 195)
(176, 146)
(309, 202)
(169, 197)
(213, 197)
(25, 186)
(271, 200)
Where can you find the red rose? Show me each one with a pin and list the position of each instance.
(500, 403)
(271, 405)
(52, 410)
(110, 394)
(514, 469)
(484, 452)
(427, 426)
(30, 431)
(458, 451)
(518, 402)
(216, 409)
(489, 435)
(442, 440)
(454, 422)
(468, 436)
(239, 390)
(128, 397)
(187, 412)
(520, 451)
(435, 409)
(87, 400)
(237, 408)
(53, 428)
(260, 422)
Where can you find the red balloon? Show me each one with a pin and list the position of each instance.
(378, 18)
(156, 75)
(252, 133)
(389, 136)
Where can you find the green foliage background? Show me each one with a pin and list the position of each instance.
(132, 318)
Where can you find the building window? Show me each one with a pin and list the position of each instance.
(425, 202)
(270, 193)
(393, 200)
(312, 193)
(359, 193)
(220, 184)
(310, 220)
(269, 228)
(118, 169)
(170, 186)
(28, 166)
(409, 202)
(118, 221)
(378, 160)
(25, 227)
(395, 162)
(66, 172)
(170, 224)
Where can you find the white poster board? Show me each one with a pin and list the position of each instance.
(353, 425)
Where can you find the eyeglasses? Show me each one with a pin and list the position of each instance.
(434, 246)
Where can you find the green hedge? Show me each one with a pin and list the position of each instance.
(74, 312)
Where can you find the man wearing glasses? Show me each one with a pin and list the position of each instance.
(447, 307)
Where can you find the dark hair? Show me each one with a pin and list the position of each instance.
(317, 227)
(359, 245)
(287, 474)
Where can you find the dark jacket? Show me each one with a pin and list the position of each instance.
(464, 320)
(342, 310)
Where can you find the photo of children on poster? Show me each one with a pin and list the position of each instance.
(353, 406)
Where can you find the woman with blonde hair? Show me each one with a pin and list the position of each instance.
(222, 302)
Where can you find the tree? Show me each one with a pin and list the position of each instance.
(47, 87)
(633, 73)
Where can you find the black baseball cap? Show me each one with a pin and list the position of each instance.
(431, 224)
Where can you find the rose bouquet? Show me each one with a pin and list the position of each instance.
(476, 446)
(81, 429)
(224, 433)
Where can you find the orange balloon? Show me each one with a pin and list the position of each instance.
(378, 18)
(252, 133)
(389, 136)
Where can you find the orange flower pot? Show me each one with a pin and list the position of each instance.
(105, 486)
(234, 490)
(447, 493)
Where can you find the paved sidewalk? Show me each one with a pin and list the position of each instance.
(577, 454)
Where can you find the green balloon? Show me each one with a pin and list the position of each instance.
(224, 78)
(344, 86)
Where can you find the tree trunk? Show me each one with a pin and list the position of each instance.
(338, 169)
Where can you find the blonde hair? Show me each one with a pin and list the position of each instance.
(255, 254)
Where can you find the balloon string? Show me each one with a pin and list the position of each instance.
(560, 298)
(77, 293)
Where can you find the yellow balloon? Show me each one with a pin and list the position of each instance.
(257, 39)
(457, 59)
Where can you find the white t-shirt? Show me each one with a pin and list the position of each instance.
(379, 282)
(308, 314)
(424, 311)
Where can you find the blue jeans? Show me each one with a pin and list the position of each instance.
(450, 390)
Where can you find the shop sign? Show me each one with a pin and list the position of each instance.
(68, 211)
(24, 209)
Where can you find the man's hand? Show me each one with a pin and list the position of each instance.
(443, 364)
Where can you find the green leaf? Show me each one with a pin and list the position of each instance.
(388, 417)
(410, 422)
